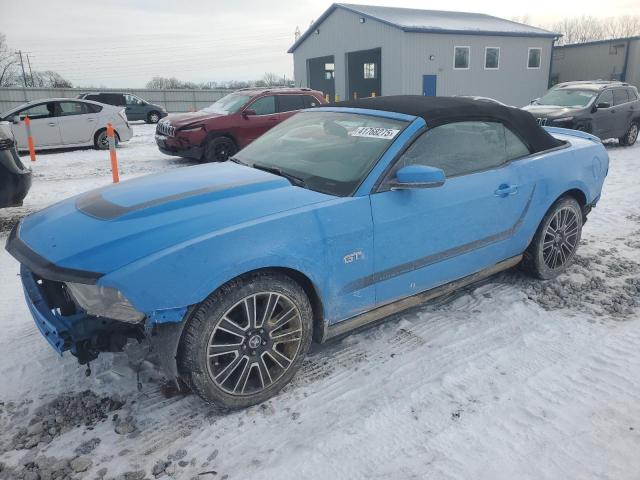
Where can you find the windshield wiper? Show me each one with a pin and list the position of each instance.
(295, 180)
(237, 160)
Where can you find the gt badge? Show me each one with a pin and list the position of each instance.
(352, 257)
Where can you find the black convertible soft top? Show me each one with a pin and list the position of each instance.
(440, 110)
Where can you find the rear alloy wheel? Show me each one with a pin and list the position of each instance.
(245, 342)
(631, 136)
(219, 149)
(555, 243)
(101, 141)
(153, 117)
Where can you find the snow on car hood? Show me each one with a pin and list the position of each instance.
(551, 110)
(180, 120)
(105, 229)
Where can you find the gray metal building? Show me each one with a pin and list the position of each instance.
(617, 59)
(361, 50)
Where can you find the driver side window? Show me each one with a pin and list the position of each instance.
(465, 147)
(264, 105)
(605, 97)
(44, 110)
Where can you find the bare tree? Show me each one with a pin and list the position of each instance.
(8, 63)
(271, 79)
(587, 29)
(51, 79)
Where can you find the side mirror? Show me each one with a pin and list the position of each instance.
(249, 112)
(417, 176)
(603, 105)
(534, 101)
(15, 119)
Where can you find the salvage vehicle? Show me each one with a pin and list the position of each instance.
(220, 130)
(15, 178)
(606, 109)
(333, 220)
(135, 107)
(66, 123)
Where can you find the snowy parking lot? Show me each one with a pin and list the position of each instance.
(510, 379)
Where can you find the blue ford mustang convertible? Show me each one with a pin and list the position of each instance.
(333, 220)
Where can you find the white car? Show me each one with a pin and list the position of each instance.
(66, 122)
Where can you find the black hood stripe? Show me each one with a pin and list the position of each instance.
(95, 205)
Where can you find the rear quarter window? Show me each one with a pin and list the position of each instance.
(310, 101)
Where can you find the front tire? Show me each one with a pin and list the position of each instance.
(631, 136)
(153, 117)
(246, 340)
(219, 149)
(554, 245)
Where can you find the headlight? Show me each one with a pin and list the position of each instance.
(191, 129)
(104, 302)
(563, 119)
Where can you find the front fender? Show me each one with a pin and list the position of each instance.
(163, 284)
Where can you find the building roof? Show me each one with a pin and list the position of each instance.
(433, 21)
(599, 42)
(441, 110)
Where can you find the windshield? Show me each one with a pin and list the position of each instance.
(567, 98)
(228, 104)
(330, 152)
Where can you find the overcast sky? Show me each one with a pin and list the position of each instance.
(123, 43)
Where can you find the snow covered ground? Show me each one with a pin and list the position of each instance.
(510, 379)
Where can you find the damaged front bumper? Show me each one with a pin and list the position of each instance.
(68, 327)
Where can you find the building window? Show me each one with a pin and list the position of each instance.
(533, 60)
(369, 70)
(329, 71)
(492, 58)
(461, 58)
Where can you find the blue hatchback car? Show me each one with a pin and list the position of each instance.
(334, 219)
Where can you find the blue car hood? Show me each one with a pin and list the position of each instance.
(105, 229)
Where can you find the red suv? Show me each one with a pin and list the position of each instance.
(219, 131)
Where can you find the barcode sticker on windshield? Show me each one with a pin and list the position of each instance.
(374, 132)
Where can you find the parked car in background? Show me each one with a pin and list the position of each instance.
(220, 130)
(67, 122)
(336, 218)
(605, 109)
(15, 178)
(135, 107)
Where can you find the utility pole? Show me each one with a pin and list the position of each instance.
(30, 72)
(24, 75)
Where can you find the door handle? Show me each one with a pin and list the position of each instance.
(505, 190)
(52, 124)
(273, 119)
(91, 119)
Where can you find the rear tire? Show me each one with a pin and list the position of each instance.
(246, 340)
(554, 245)
(101, 141)
(219, 149)
(631, 136)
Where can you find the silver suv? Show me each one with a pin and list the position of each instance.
(605, 109)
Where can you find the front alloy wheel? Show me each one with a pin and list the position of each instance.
(219, 149)
(254, 343)
(246, 341)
